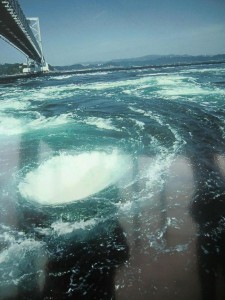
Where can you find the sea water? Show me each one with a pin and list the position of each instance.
(80, 152)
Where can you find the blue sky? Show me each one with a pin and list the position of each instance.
(98, 30)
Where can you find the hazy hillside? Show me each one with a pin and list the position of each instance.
(169, 59)
(10, 69)
(146, 60)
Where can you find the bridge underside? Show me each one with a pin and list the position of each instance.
(16, 35)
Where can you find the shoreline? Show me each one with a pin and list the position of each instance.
(12, 78)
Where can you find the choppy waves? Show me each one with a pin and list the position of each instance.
(91, 149)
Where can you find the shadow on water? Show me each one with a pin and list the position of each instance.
(208, 211)
(80, 264)
(86, 270)
(80, 268)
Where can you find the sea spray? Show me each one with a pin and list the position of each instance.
(66, 178)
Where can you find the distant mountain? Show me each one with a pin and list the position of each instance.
(76, 67)
(146, 61)
(167, 59)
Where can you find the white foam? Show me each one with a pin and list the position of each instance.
(12, 126)
(26, 97)
(13, 104)
(101, 123)
(67, 178)
(22, 261)
(116, 84)
(139, 123)
(137, 110)
(62, 228)
(62, 77)
(176, 86)
(43, 122)
(97, 73)
(18, 249)
(194, 70)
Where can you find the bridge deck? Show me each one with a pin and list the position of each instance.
(15, 28)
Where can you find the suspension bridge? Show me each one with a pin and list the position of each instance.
(23, 34)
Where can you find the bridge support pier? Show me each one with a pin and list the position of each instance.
(34, 67)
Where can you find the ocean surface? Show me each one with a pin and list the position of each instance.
(112, 185)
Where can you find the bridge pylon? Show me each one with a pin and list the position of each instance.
(32, 65)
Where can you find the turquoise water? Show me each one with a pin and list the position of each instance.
(80, 151)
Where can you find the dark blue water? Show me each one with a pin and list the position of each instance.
(83, 156)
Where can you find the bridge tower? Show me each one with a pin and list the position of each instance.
(33, 66)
